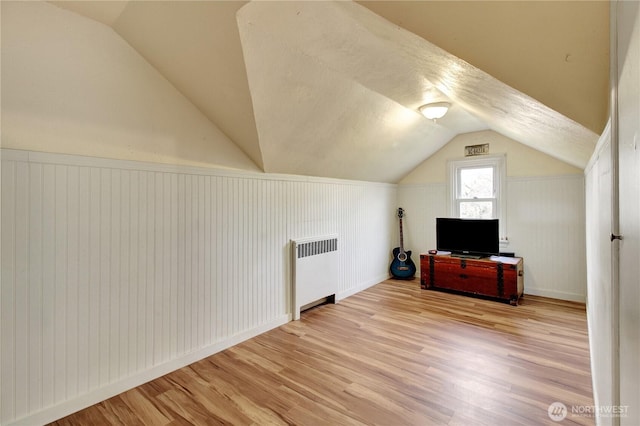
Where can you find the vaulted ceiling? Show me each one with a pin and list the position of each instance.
(333, 88)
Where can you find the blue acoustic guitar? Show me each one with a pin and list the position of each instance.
(402, 267)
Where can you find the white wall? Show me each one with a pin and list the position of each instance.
(522, 162)
(116, 272)
(545, 212)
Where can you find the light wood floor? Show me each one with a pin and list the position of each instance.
(390, 355)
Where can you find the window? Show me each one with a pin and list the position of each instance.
(476, 195)
(477, 189)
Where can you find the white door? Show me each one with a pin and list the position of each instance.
(629, 182)
(600, 294)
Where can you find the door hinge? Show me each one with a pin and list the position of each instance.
(616, 237)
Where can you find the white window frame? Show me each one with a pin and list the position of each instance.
(498, 163)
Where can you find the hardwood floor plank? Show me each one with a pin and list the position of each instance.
(144, 408)
(391, 355)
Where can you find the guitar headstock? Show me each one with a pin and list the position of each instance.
(400, 212)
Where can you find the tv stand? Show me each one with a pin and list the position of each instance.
(495, 277)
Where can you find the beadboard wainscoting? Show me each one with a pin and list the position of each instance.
(545, 226)
(116, 272)
(422, 204)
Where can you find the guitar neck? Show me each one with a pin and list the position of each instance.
(401, 238)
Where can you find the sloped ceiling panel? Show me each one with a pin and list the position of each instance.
(106, 12)
(315, 121)
(331, 89)
(554, 51)
(314, 118)
(196, 46)
(348, 39)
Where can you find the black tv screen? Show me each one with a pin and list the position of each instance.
(473, 237)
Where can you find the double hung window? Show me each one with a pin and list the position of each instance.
(476, 188)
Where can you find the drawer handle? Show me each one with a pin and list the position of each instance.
(464, 276)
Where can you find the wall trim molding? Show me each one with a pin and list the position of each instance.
(422, 185)
(361, 287)
(543, 178)
(8, 154)
(554, 294)
(509, 179)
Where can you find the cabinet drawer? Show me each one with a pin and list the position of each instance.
(475, 280)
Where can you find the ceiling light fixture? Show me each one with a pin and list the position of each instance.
(435, 110)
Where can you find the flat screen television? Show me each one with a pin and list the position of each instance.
(468, 237)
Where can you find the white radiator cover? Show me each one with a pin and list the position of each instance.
(315, 264)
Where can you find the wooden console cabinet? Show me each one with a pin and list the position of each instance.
(499, 278)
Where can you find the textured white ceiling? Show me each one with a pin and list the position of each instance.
(380, 59)
(554, 51)
(330, 89)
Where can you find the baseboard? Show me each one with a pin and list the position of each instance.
(361, 287)
(553, 294)
(71, 406)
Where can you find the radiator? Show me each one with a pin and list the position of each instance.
(315, 271)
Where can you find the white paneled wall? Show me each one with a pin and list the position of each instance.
(422, 205)
(545, 225)
(115, 272)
